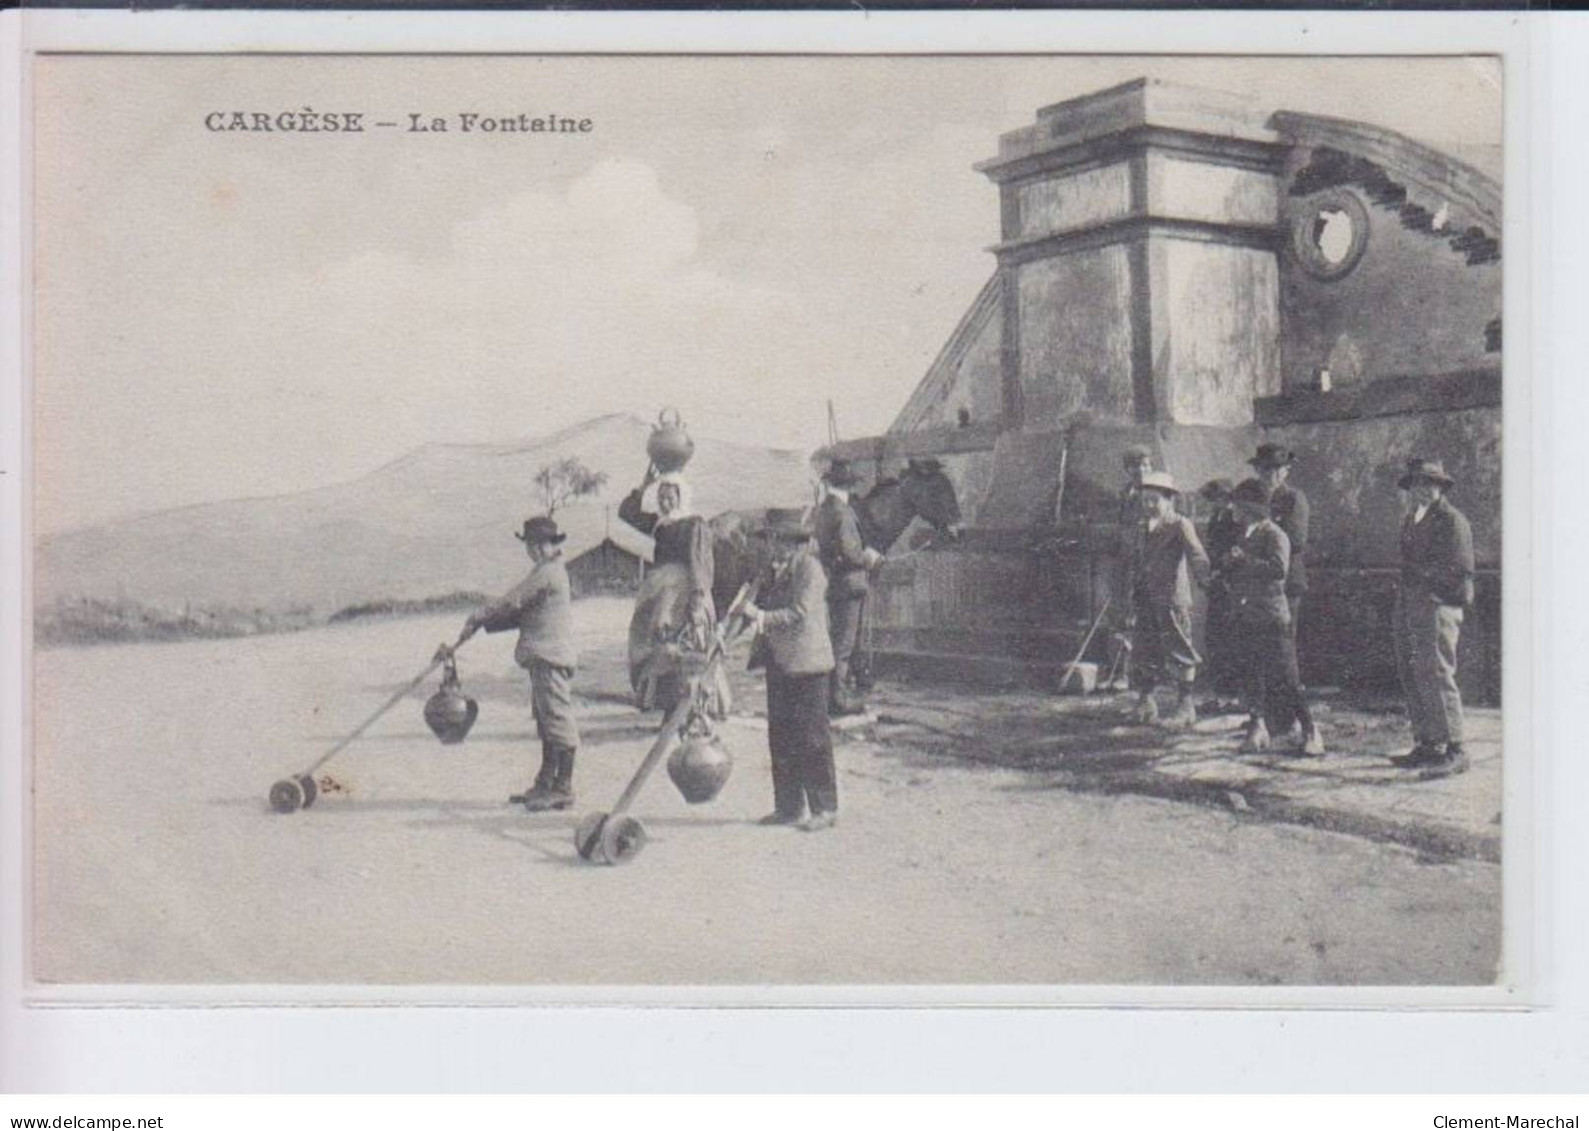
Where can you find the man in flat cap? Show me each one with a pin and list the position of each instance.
(540, 607)
(1255, 569)
(1436, 589)
(1289, 508)
(848, 561)
(792, 644)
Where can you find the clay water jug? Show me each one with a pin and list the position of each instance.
(450, 713)
(700, 767)
(669, 445)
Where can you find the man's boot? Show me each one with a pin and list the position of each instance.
(561, 795)
(1257, 740)
(1419, 756)
(1453, 760)
(538, 797)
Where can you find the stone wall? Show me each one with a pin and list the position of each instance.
(1174, 270)
(1410, 306)
(1076, 336)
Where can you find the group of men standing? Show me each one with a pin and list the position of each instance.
(1254, 568)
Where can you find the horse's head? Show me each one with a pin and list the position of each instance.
(931, 495)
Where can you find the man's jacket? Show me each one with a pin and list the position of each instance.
(1257, 576)
(1159, 572)
(1437, 553)
(839, 545)
(540, 607)
(794, 629)
(1289, 508)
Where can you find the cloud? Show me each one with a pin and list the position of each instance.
(545, 308)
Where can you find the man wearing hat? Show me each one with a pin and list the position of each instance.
(540, 608)
(1436, 587)
(1255, 570)
(1289, 509)
(847, 561)
(1161, 597)
(1113, 581)
(792, 644)
(1220, 642)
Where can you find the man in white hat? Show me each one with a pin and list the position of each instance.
(1436, 588)
(1168, 556)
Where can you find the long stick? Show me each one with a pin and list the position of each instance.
(1086, 640)
(673, 726)
(436, 661)
(1059, 495)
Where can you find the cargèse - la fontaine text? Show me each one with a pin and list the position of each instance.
(307, 120)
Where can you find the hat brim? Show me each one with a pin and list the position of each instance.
(1407, 481)
(542, 539)
(1271, 462)
(1171, 492)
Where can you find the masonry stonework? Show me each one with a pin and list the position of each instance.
(1180, 269)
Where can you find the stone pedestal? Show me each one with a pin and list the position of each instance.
(1137, 259)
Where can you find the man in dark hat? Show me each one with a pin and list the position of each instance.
(1436, 588)
(848, 562)
(1255, 569)
(792, 643)
(1220, 644)
(1168, 557)
(1289, 508)
(540, 608)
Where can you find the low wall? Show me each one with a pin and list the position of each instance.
(1004, 613)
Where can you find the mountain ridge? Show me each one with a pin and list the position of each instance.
(436, 519)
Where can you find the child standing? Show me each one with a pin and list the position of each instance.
(1161, 591)
(1256, 569)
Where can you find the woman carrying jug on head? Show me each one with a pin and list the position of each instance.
(674, 617)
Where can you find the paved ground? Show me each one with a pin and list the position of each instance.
(1087, 744)
(1025, 841)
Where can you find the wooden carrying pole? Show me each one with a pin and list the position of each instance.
(1070, 668)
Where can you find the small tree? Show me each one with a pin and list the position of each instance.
(566, 480)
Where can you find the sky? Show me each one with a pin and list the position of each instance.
(223, 315)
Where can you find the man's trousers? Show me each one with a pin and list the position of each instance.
(801, 745)
(1426, 634)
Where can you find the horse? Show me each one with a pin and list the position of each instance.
(922, 491)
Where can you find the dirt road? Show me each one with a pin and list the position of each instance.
(157, 859)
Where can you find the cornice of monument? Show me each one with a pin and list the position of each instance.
(1203, 124)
